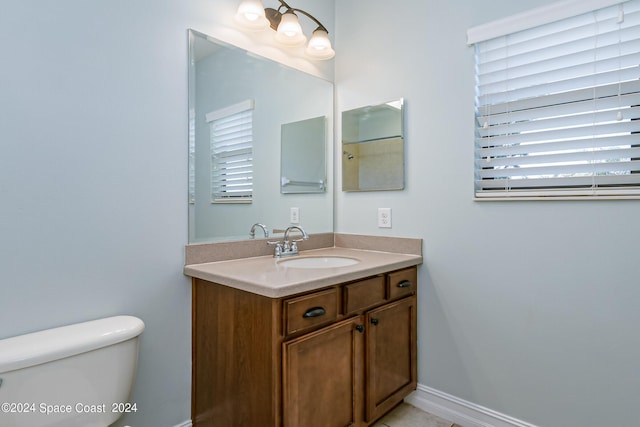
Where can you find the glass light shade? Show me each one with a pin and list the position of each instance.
(289, 31)
(319, 46)
(250, 15)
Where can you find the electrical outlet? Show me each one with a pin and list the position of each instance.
(384, 217)
(294, 216)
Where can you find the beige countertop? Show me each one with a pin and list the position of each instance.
(268, 276)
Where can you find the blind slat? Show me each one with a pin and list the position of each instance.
(560, 133)
(243, 150)
(540, 101)
(587, 119)
(573, 38)
(618, 184)
(565, 66)
(575, 145)
(608, 155)
(554, 110)
(502, 92)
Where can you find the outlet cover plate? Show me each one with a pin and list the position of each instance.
(384, 217)
(294, 216)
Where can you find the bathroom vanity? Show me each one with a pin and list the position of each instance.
(303, 347)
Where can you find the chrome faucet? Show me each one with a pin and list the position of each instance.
(289, 248)
(252, 232)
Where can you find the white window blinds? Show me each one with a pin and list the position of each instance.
(558, 108)
(231, 131)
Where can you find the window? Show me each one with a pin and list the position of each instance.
(231, 131)
(558, 103)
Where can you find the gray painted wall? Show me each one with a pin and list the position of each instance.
(527, 308)
(93, 215)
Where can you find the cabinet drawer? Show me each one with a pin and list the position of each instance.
(308, 311)
(402, 282)
(363, 294)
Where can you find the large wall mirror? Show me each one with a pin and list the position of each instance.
(287, 118)
(373, 147)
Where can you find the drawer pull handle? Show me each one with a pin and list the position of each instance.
(360, 328)
(314, 312)
(375, 321)
(404, 284)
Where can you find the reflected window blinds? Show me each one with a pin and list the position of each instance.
(231, 132)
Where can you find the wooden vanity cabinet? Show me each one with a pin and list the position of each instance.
(335, 357)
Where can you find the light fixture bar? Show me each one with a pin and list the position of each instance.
(287, 26)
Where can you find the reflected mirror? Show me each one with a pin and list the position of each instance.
(373, 147)
(302, 159)
(227, 196)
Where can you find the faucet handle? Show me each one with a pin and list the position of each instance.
(278, 246)
(294, 246)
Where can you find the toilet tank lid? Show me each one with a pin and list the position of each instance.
(45, 346)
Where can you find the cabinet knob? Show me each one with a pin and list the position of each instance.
(404, 284)
(314, 312)
(360, 328)
(374, 321)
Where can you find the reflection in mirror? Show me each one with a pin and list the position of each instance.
(373, 148)
(302, 160)
(223, 76)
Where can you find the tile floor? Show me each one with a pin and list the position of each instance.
(406, 415)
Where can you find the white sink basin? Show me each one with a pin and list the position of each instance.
(318, 262)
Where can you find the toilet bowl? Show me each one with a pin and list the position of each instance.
(73, 376)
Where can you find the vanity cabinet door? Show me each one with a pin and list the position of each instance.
(322, 377)
(391, 370)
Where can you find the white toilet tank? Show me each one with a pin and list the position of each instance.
(73, 376)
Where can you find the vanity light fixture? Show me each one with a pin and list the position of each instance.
(284, 20)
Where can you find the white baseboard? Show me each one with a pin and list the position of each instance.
(460, 411)
(450, 408)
